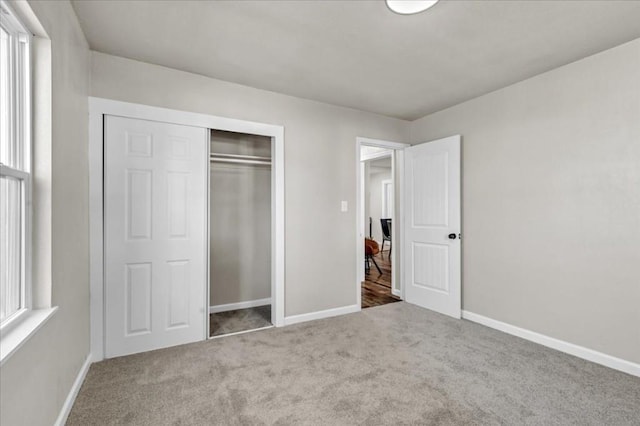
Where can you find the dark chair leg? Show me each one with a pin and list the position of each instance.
(390, 248)
(383, 240)
(377, 267)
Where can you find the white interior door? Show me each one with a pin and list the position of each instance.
(432, 226)
(155, 234)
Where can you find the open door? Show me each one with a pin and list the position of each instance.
(432, 252)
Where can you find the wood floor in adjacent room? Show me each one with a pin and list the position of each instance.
(376, 287)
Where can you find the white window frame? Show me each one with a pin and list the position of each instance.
(20, 130)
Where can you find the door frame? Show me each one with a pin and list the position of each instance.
(385, 199)
(397, 170)
(98, 107)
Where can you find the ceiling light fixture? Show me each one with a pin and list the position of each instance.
(409, 7)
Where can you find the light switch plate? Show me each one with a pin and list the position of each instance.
(344, 206)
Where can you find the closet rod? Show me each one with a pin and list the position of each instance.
(240, 157)
(238, 161)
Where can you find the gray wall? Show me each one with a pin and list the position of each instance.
(551, 201)
(320, 163)
(240, 223)
(36, 380)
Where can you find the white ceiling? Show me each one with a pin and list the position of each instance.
(357, 53)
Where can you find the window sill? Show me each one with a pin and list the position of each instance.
(12, 339)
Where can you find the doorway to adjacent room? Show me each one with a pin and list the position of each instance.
(377, 274)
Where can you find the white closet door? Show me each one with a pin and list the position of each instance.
(432, 251)
(155, 235)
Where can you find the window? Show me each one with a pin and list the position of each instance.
(15, 167)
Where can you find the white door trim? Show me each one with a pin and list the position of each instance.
(375, 155)
(99, 107)
(385, 200)
(397, 158)
(380, 144)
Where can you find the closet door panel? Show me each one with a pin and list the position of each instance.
(155, 235)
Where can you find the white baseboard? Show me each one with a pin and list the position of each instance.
(396, 292)
(73, 393)
(239, 305)
(294, 319)
(559, 345)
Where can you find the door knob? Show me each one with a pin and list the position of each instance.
(452, 236)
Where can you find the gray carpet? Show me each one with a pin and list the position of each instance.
(393, 364)
(239, 320)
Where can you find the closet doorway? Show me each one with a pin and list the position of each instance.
(164, 156)
(239, 233)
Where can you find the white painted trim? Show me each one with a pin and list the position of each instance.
(557, 344)
(239, 305)
(375, 155)
(397, 234)
(99, 107)
(240, 332)
(277, 226)
(73, 392)
(396, 239)
(295, 319)
(380, 143)
(165, 115)
(360, 232)
(394, 223)
(383, 195)
(96, 246)
(207, 290)
(16, 334)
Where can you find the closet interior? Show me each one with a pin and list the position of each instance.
(239, 232)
